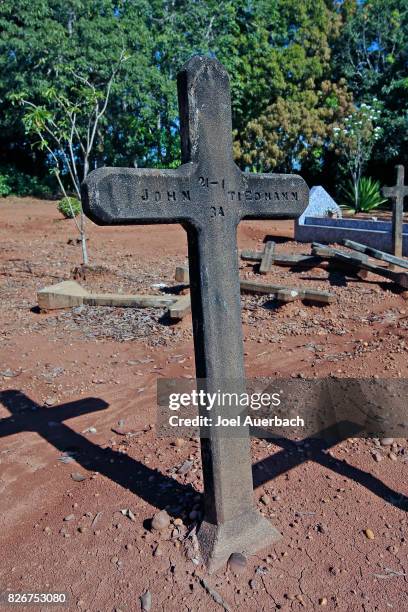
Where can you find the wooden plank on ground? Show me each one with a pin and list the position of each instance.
(286, 295)
(283, 294)
(312, 295)
(267, 258)
(285, 259)
(69, 293)
(325, 251)
(182, 275)
(249, 255)
(376, 254)
(400, 278)
(180, 308)
(256, 287)
(301, 261)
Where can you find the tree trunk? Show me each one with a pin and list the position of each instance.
(85, 258)
(356, 202)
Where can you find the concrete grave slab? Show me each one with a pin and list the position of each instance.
(69, 293)
(61, 295)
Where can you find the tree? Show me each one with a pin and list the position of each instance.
(66, 126)
(355, 140)
(371, 54)
(46, 43)
(282, 55)
(291, 123)
(294, 130)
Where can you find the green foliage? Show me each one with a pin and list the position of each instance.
(69, 207)
(15, 182)
(5, 188)
(371, 54)
(294, 130)
(271, 50)
(368, 195)
(296, 101)
(281, 56)
(26, 185)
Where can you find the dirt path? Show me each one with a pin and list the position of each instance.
(69, 378)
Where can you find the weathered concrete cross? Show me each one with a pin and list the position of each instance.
(209, 196)
(397, 193)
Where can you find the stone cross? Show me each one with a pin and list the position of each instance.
(397, 193)
(209, 195)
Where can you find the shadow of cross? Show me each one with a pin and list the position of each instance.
(26, 415)
(397, 193)
(209, 196)
(149, 484)
(294, 454)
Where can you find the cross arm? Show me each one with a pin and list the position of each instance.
(273, 196)
(137, 196)
(398, 191)
(395, 192)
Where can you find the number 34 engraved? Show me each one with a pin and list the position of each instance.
(216, 211)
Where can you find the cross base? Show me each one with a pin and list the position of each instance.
(247, 533)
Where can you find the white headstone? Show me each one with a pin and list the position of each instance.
(321, 204)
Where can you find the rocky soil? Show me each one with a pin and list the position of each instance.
(83, 472)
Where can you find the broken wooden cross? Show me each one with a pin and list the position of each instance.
(285, 259)
(322, 257)
(209, 196)
(376, 254)
(280, 293)
(397, 193)
(302, 293)
(341, 259)
(322, 250)
(267, 258)
(360, 261)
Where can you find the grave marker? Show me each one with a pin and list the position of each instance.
(209, 196)
(321, 204)
(397, 193)
(267, 258)
(68, 294)
(360, 261)
(376, 254)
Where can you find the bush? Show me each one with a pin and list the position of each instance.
(26, 185)
(15, 182)
(69, 207)
(5, 188)
(368, 194)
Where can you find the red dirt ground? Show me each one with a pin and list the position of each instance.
(52, 365)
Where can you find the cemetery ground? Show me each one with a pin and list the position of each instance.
(78, 443)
